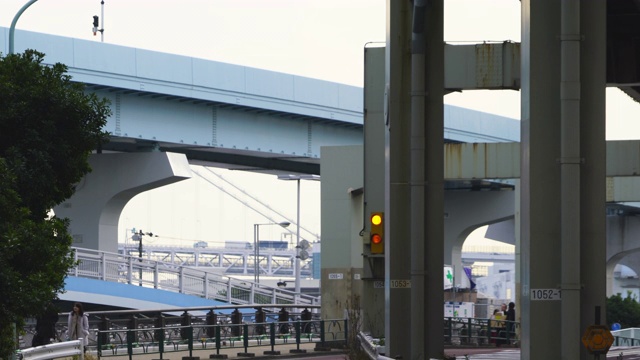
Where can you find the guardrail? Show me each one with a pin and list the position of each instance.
(457, 332)
(479, 332)
(228, 317)
(216, 337)
(373, 350)
(626, 337)
(120, 268)
(54, 351)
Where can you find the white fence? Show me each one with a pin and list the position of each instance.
(54, 351)
(166, 276)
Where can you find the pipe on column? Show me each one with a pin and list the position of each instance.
(570, 161)
(418, 178)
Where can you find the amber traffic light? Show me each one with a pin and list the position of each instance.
(377, 233)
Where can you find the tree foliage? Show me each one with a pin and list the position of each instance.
(625, 311)
(48, 128)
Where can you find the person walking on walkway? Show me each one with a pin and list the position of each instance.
(78, 324)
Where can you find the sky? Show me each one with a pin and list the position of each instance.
(322, 39)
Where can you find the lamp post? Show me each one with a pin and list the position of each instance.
(138, 237)
(12, 29)
(256, 248)
(297, 178)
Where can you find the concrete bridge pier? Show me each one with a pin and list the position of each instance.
(467, 211)
(95, 208)
(562, 193)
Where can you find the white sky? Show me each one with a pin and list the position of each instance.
(321, 39)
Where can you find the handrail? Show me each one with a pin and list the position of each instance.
(166, 339)
(127, 269)
(54, 351)
(372, 350)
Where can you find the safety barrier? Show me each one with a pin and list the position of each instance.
(132, 270)
(458, 332)
(54, 351)
(215, 337)
(626, 337)
(372, 349)
(479, 332)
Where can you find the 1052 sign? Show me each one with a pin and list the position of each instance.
(545, 294)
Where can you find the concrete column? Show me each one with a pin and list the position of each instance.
(375, 189)
(397, 75)
(427, 183)
(593, 171)
(545, 233)
(540, 178)
(95, 208)
(342, 214)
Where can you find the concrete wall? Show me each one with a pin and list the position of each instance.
(341, 208)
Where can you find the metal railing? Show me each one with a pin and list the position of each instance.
(479, 332)
(132, 270)
(54, 351)
(626, 337)
(458, 331)
(167, 339)
(133, 332)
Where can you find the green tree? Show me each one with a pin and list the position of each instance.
(48, 129)
(625, 311)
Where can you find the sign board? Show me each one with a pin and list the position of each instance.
(400, 284)
(394, 284)
(448, 277)
(545, 294)
(597, 339)
(336, 276)
(459, 309)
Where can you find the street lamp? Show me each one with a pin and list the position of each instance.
(256, 248)
(12, 28)
(298, 178)
(138, 237)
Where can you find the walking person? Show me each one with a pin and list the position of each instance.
(511, 318)
(46, 326)
(78, 324)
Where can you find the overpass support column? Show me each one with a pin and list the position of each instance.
(95, 208)
(397, 252)
(563, 173)
(416, 172)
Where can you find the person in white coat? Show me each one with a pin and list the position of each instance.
(78, 324)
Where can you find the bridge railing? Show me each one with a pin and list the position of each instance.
(626, 337)
(132, 270)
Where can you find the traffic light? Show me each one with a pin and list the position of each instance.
(377, 232)
(95, 24)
